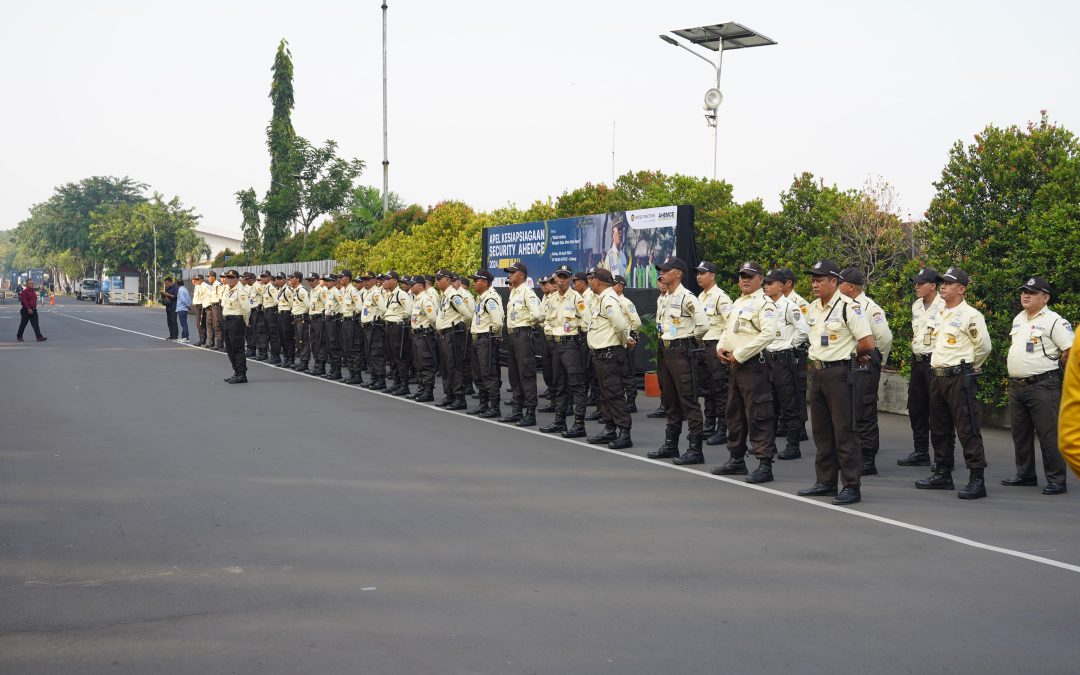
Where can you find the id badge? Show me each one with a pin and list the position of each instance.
(566, 326)
(926, 339)
(1030, 346)
(824, 340)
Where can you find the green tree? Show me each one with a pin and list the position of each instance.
(326, 180)
(282, 204)
(251, 226)
(124, 234)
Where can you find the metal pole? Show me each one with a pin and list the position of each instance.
(386, 156)
(716, 119)
(154, 228)
(613, 152)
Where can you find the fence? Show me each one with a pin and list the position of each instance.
(319, 267)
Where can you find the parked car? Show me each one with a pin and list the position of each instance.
(88, 289)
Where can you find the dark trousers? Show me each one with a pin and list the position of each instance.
(869, 434)
(200, 322)
(346, 338)
(397, 344)
(287, 336)
(610, 364)
(26, 317)
(713, 383)
(785, 390)
(424, 357)
(569, 376)
(359, 351)
(300, 337)
(181, 318)
(677, 391)
(547, 371)
(213, 324)
(249, 335)
(274, 332)
(452, 362)
(802, 354)
(170, 319)
(629, 381)
(317, 339)
(466, 369)
(486, 370)
(332, 327)
(918, 402)
(521, 367)
(830, 418)
(233, 335)
(264, 320)
(750, 412)
(1033, 409)
(949, 411)
(592, 391)
(376, 351)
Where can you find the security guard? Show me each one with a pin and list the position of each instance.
(802, 348)
(256, 297)
(198, 293)
(235, 315)
(487, 331)
(782, 358)
(629, 380)
(247, 289)
(368, 311)
(1041, 341)
(852, 282)
(661, 307)
(425, 349)
(712, 374)
(751, 327)
(840, 340)
(567, 316)
(681, 324)
(522, 318)
(347, 299)
(962, 345)
(450, 322)
(335, 317)
(358, 350)
(300, 307)
(397, 315)
(270, 309)
(374, 311)
(548, 289)
(924, 314)
(213, 311)
(313, 325)
(608, 333)
(285, 295)
(583, 284)
(461, 284)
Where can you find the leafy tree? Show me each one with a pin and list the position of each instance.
(124, 234)
(283, 198)
(251, 227)
(326, 180)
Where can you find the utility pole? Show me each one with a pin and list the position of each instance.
(385, 147)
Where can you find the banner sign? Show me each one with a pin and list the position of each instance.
(628, 243)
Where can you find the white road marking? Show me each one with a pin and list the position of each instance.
(700, 474)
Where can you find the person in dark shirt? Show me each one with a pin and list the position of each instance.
(29, 314)
(168, 298)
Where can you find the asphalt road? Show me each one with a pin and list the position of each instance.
(155, 519)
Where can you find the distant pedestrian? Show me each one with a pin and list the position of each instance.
(168, 298)
(28, 297)
(183, 306)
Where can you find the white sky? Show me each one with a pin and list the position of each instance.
(504, 101)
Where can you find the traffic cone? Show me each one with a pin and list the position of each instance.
(52, 299)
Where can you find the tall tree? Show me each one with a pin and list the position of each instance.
(326, 180)
(282, 203)
(251, 227)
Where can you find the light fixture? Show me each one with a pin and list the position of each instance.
(713, 99)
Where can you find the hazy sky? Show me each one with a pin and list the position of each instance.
(505, 101)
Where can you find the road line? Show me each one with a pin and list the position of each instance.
(694, 472)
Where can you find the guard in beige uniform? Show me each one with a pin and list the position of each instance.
(487, 331)
(712, 374)
(661, 307)
(347, 299)
(629, 379)
(924, 314)
(522, 320)
(751, 327)
(547, 289)
(397, 315)
(583, 284)
(334, 320)
(198, 297)
(285, 295)
(567, 318)
(311, 333)
(962, 346)
(299, 320)
(320, 345)
(1040, 346)
(802, 348)
(450, 327)
(213, 312)
(681, 324)
(235, 313)
(783, 358)
(608, 334)
(852, 282)
(247, 288)
(425, 349)
(840, 340)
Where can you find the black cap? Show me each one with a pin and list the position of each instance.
(391, 274)
(345, 273)
(749, 267)
(955, 275)
(926, 275)
(581, 276)
(246, 275)
(232, 274)
(706, 266)
(673, 264)
(280, 276)
(775, 275)
(297, 275)
(197, 276)
(620, 279)
(564, 271)
(516, 267)
(603, 276)
(1038, 285)
(853, 276)
(328, 277)
(824, 268)
(485, 275)
(212, 273)
(418, 279)
(786, 274)
(313, 277)
(264, 273)
(429, 278)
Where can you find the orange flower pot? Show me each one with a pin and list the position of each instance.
(652, 385)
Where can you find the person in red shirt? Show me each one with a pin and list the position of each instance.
(29, 314)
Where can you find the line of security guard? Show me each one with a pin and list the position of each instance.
(567, 318)
(608, 334)
(712, 373)
(924, 312)
(523, 317)
(487, 334)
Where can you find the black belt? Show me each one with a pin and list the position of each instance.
(919, 358)
(270, 309)
(284, 311)
(678, 342)
(562, 338)
(233, 316)
(423, 331)
(515, 331)
(396, 323)
(605, 351)
(481, 336)
(1035, 379)
(780, 353)
(951, 371)
(822, 365)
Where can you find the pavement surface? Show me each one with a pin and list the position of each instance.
(154, 519)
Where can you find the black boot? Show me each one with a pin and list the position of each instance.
(718, 437)
(445, 401)
(792, 450)
(576, 431)
(693, 454)
(559, 425)
(594, 415)
(941, 479)
(274, 360)
(549, 408)
(658, 413)
(710, 427)
(763, 472)
(514, 416)
(404, 391)
(732, 467)
(976, 487)
(458, 404)
(622, 440)
(608, 434)
(916, 458)
(670, 448)
(482, 408)
(493, 412)
(426, 395)
(869, 467)
(631, 404)
(528, 419)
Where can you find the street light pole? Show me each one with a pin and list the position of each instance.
(153, 226)
(386, 156)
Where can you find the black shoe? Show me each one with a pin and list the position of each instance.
(622, 440)
(404, 392)
(334, 376)
(669, 449)
(916, 458)
(576, 431)
(491, 413)
(606, 435)
(1055, 489)
(631, 407)
(313, 372)
(849, 495)
(549, 408)
(657, 414)
(514, 416)
(693, 454)
(257, 358)
(818, 490)
(558, 426)
(1017, 481)
(718, 438)
(352, 379)
(237, 379)
(732, 467)
(379, 386)
(458, 404)
(528, 418)
(709, 428)
(869, 468)
(941, 479)
(274, 360)
(445, 402)
(789, 453)
(763, 472)
(482, 408)
(425, 397)
(593, 416)
(802, 435)
(975, 489)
